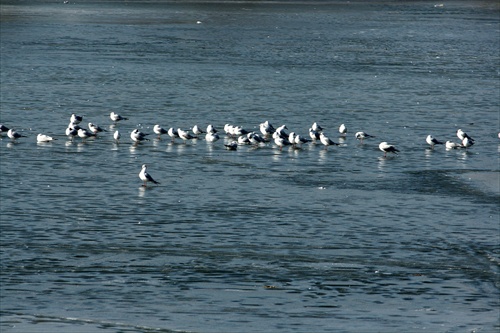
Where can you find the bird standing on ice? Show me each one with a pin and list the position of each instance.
(145, 176)
(342, 129)
(387, 148)
(326, 141)
(362, 135)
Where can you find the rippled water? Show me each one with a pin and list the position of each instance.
(258, 239)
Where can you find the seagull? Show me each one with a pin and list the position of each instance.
(75, 119)
(138, 136)
(462, 135)
(173, 134)
(266, 128)
(342, 129)
(231, 146)
(44, 138)
(212, 137)
(316, 127)
(255, 138)
(280, 141)
(95, 129)
(238, 131)
(453, 145)
(228, 129)
(14, 135)
(362, 135)
(3, 129)
(387, 148)
(184, 135)
(432, 141)
(197, 130)
(467, 142)
(326, 141)
(281, 131)
(314, 135)
(117, 136)
(84, 133)
(300, 140)
(291, 138)
(211, 129)
(116, 117)
(159, 130)
(145, 176)
(71, 132)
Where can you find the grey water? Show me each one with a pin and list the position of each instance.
(259, 239)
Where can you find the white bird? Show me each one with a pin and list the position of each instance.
(231, 146)
(116, 117)
(387, 148)
(281, 131)
(432, 141)
(255, 138)
(300, 140)
(280, 141)
(138, 136)
(173, 133)
(326, 141)
(238, 131)
(453, 145)
(197, 130)
(75, 119)
(145, 176)
(3, 129)
(211, 129)
(84, 133)
(362, 135)
(467, 142)
(184, 135)
(212, 137)
(342, 129)
(117, 135)
(159, 130)
(316, 127)
(71, 132)
(44, 138)
(314, 135)
(462, 135)
(291, 138)
(243, 140)
(228, 129)
(266, 128)
(95, 128)
(14, 135)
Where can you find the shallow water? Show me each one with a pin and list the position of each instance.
(258, 239)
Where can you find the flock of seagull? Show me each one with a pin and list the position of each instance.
(239, 135)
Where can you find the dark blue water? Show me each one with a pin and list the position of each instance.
(258, 239)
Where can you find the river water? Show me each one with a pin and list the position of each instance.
(258, 239)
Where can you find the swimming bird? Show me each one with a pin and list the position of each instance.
(462, 135)
(138, 136)
(75, 119)
(197, 130)
(145, 176)
(172, 133)
(266, 128)
(362, 135)
(326, 141)
(44, 138)
(84, 133)
(14, 135)
(95, 128)
(316, 127)
(433, 141)
(342, 129)
(159, 130)
(452, 145)
(116, 117)
(231, 146)
(212, 137)
(184, 135)
(314, 135)
(387, 148)
(117, 135)
(467, 142)
(3, 129)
